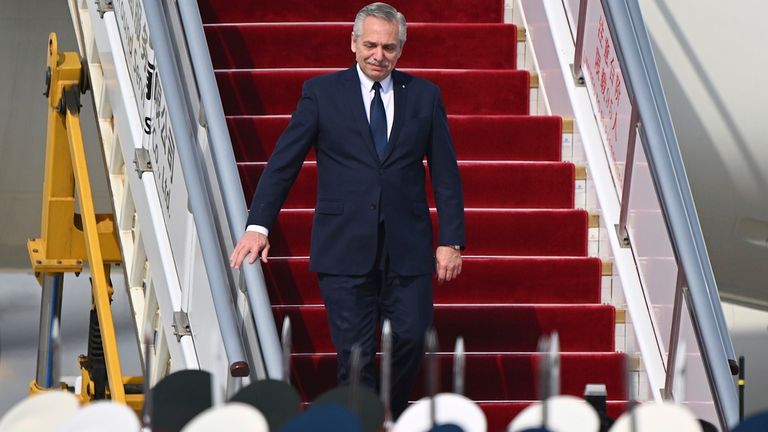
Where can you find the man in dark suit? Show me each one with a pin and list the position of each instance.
(371, 127)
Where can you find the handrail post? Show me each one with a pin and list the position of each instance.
(578, 73)
(674, 335)
(621, 228)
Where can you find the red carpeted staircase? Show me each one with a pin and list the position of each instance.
(526, 270)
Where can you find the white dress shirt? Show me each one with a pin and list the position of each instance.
(367, 92)
(387, 96)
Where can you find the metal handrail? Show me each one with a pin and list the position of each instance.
(199, 201)
(638, 66)
(230, 184)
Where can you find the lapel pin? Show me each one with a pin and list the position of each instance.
(403, 85)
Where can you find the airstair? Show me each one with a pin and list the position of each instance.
(176, 84)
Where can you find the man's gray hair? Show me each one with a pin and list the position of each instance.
(382, 11)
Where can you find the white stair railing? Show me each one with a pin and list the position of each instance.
(639, 187)
(168, 272)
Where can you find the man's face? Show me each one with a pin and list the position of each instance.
(378, 48)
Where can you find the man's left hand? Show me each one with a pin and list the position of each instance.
(448, 263)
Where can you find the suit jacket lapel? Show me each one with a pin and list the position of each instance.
(355, 102)
(401, 103)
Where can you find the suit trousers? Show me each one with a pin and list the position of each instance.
(357, 304)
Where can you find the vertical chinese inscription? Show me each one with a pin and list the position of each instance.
(606, 72)
(607, 87)
(163, 149)
(134, 35)
(148, 93)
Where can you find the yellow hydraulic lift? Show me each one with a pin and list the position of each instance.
(69, 239)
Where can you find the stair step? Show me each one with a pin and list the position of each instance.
(485, 328)
(488, 232)
(489, 376)
(240, 11)
(483, 280)
(475, 137)
(429, 46)
(274, 92)
(488, 184)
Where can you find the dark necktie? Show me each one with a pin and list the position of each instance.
(378, 121)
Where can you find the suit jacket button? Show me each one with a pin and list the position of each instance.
(373, 206)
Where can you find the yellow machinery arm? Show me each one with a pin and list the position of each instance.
(68, 239)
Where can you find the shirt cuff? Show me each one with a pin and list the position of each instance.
(259, 229)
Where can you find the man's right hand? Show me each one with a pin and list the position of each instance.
(252, 242)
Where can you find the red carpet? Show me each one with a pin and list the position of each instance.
(490, 376)
(496, 328)
(489, 232)
(271, 92)
(249, 11)
(504, 280)
(524, 184)
(526, 270)
(475, 137)
(428, 45)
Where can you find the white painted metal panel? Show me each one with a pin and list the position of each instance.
(145, 200)
(171, 190)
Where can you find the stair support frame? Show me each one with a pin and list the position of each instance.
(68, 238)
